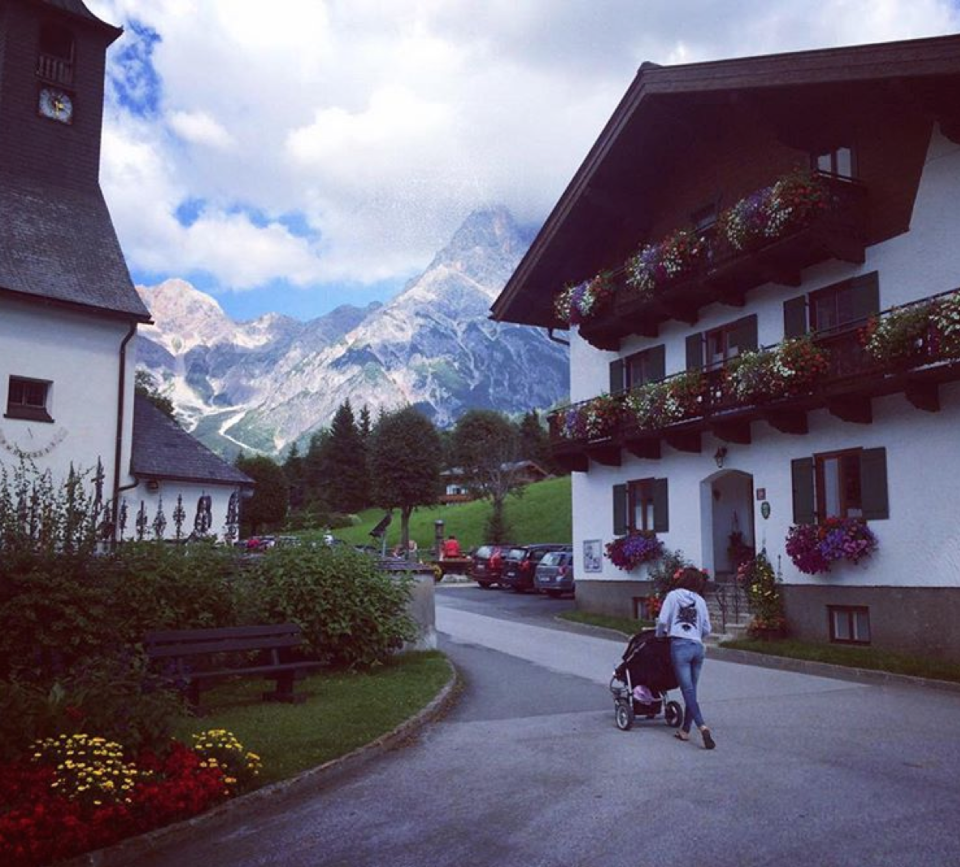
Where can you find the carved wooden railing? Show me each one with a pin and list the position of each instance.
(53, 68)
(851, 368)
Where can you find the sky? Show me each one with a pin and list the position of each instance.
(293, 155)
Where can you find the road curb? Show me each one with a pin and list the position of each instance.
(127, 852)
(787, 663)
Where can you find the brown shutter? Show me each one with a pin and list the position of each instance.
(865, 296)
(661, 517)
(745, 333)
(619, 510)
(795, 317)
(873, 484)
(804, 511)
(616, 376)
(695, 351)
(657, 363)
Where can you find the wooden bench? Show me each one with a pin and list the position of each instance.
(453, 566)
(197, 658)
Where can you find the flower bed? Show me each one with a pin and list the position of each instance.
(792, 368)
(813, 548)
(660, 404)
(628, 552)
(77, 793)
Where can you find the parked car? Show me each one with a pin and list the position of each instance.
(554, 575)
(487, 565)
(520, 563)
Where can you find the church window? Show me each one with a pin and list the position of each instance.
(27, 399)
(56, 55)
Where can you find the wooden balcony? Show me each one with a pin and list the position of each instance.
(55, 69)
(726, 277)
(852, 379)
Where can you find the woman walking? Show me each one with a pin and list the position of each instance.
(684, 618)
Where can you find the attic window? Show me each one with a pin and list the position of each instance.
(55, 58)
(838, 162)
(27, 399)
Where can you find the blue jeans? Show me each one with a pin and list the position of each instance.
(687, 659)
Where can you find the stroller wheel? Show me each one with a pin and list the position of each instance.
(624, 716)
(673, 714)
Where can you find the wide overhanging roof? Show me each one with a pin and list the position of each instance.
(607, 194)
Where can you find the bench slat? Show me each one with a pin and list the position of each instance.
(164, 635)
(210, 646)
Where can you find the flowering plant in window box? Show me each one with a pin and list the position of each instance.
(574, 304)
(899, 335)
(767, 214)
(792, 368)
(655, 265)
(628, 552)
(945, 319)
(813, 548)
(659, 404)
(592, 420)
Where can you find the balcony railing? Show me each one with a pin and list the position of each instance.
(725, 273)
(909, 349)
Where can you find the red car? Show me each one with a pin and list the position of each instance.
(488, 564)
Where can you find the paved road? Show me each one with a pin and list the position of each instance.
(528, 770)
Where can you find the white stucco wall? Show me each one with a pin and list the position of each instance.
(79, 354)
(168, 491)
(920, 542)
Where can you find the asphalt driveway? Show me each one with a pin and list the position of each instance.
(528, 769)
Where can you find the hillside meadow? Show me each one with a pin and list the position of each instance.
(542, 513)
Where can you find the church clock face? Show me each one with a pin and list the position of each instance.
(56, 104)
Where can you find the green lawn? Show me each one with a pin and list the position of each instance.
(541, 514)
(627, 625)
(343, 711)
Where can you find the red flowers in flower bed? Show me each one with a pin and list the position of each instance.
(39, 827)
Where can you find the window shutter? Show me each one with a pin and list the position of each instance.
(873, 484)
(865, 296)
(804, 511)
(795, 317)
(616, 376)
(695, 351)
(661, 517)
(657, 360)
(619, 510)
(746, 333)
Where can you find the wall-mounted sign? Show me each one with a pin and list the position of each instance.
(593, 555)
(761, 493)
(765, 509)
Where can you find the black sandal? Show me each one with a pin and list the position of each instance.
(708, 741)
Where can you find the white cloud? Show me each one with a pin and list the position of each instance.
(200, 128)
(385, 122)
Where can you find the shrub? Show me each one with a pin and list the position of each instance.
(761, 585)
(351, 613)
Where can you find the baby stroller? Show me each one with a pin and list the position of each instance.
(640, 683)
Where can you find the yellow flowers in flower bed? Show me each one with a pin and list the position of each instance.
(219, 748)
(88, 769)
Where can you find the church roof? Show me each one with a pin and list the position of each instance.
(60, 245)
(163, 450)
(78, 9)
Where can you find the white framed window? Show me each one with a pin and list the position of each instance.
(849, 624)
(28, 399)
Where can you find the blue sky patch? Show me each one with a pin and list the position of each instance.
(133, 77)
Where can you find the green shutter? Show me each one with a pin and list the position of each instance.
(616, 376)
(745, 333)
(661, 515)
(865, 296)
(619, 510)
(658, 365)
(804, 511)
(873, 484)
(695, 351)
(795, 317)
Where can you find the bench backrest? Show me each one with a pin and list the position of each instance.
(196, 642)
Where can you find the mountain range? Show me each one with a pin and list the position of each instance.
(265, 384)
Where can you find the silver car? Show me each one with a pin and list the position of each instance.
(554, 574)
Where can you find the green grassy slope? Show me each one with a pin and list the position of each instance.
(541, 514)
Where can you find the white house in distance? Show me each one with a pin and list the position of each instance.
(804, 204)
(68, 309)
